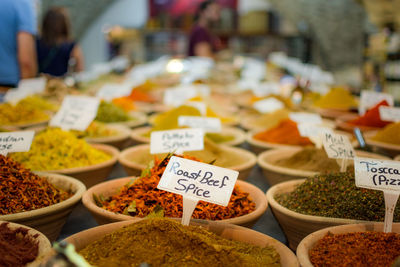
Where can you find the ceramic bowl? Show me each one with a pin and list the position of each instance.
(119, 141)
(275, 174)
(387, 148)
(234, 232)
(297, 226)
(49, 220)
(91, 175)
(310, 241)
(44, 245)
(342, 123)
(135, 159)
(138, 137)
(110, 188)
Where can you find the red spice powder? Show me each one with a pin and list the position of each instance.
(372, 117)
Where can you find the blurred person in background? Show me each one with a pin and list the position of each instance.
(57, 52)
(17, 42)
(201, 41)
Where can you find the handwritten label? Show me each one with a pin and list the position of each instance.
(15, 141)
(370, 98)
(178, 96)
(266, 88)
(389, 113)
(268, 105)
(304, 117)
(338, 146)
(198, 180)
(311, 130)
(176, 141)
(208, 124)
(76, 112)
(113, 90)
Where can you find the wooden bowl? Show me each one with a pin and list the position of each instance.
(135, 159)
(310, 241)
(229, 231)
(44, 245)
(140, 119)
(49, 220)
(342, 123)
(91, 175)
(275, 174)
(109, 188)
(391, 149)
(138, 137)
(297, 226)
(119, 141)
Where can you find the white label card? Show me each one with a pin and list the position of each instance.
(15, 141)
(198, 180)
(113, 90)
(310, 129)
(76, 112)
(370, 98)
(177, 141)
(268, 105)
(178, 96)
(337, 146)
(208, 124)
(389, 113)
(305, 117)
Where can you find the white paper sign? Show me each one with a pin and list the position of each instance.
(76, 112)
(389, 113)
(176, 141)
(338, 146)
(113, 90)
(198, 180)
(268, 105)
(15, 141)
(370, 98)
(266, 88)
(208, 124)
(177, 97)
(201, 106)
(310, 129)
(304, 117)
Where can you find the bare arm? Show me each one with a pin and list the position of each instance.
(77, 54)
(203, 49)
(26, 55)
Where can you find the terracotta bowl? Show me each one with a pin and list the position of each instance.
(50, 220)
(135, 159)
(43, 242)
(397, 158)
(390, 149)
(119, 141)
(310, 241)
(275, 174)
(297, 226)
(91, 175)
(233, 232)
(109, 188)
(342, 124)
(141, 119)
(138, 137)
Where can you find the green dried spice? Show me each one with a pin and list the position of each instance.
(158, 212)
(336, 195)
(109, 112)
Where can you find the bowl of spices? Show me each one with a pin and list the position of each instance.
(305, 206)
(39, 200)
(22, 116)
(136, 159)
(350, 245)
(130, 197)
(56, 151)
(386, 140)
(229, 136)
(285, 164)
(163, 242)
(108, 112)
(21, 245)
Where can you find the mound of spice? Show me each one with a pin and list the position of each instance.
(335, 195)
(21, 190)
(169, 120)
(20, 114)
(141, 198)
(220, 138)
(109, 112)
(310, 159)
(372, 117)
(269, 120)
(356, 249)
(37, 102)
(337, 98)
(390, 134)
(164, 242)
(17, 246)
(285, 133)
(55, 149)
(96, 129)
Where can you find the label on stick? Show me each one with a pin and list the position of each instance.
(369, 99)
(305, 117)
(208, 124)
(389, 113)
(177, 141)
(198, 180)
(268, 105)
(337, 146)
(15, 141)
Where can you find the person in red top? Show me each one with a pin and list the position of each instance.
(201, 41)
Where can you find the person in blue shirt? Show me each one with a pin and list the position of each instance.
(17, 42)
